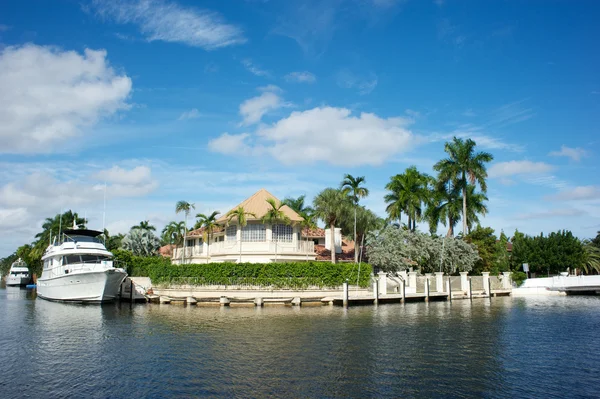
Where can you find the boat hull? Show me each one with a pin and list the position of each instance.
(90, 286)
(17, 281)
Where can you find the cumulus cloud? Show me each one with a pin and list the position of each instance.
(578, 193)
(574, 153)
(300, 77)
(50, 95)
(253, 109)
(191, 114)
(229, 144)
(336, 136)
(170, 22)
(511, 168)
(116, 174)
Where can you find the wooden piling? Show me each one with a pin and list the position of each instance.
(403, 291)
(449, 290)
(426, 289)
(470, 289)
(131, 290)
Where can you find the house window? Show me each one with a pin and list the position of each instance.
(254, 233)
(282, 233)
(191, 243)
(231, 233)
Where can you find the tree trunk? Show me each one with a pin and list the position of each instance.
(332, 242)
(465, 209)
(184, 240)
(355, 251)
(409, 222)
(450, 228)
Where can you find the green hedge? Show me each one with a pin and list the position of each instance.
(294, 275)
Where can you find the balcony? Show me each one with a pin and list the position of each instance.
(225, 248)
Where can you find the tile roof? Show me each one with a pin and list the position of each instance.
(166, 250)
(316, 232)
(200, 232)
(258, 205)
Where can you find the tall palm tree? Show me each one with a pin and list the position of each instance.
(52, 226)
(409, 193)
(173, 233)
(275, 215)
(298, 205)
(591, 257)
(144, 225)
(208, 222)
(352, 186)
(186, 208)
(462, 167)
(331, 205)
(240, 216)
(308, 222)
(475, 206)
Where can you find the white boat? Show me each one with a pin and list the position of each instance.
(79, 269)
(18, 274)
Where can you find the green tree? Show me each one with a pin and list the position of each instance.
(462, 167)
(502, 254)
(591, 261)
(144, 225)
(240, 216)
(331, 206)
(485, 241)
(141, 242)
(298, 205)
(186, 208)
(208, 223)
(596, 240)
(353, 186)
(173, 233)
(409, 193)
(275, 215)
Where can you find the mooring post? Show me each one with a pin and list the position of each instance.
(490, 288)
(376, 291)
(403, 287)
(131, 290)
(426, 288)
(121, 291)
(470, 289)
(449, 289)
(345, 294)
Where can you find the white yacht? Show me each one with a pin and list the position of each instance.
(79, 269)
(18, 274)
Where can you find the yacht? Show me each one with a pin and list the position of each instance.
(79, 268)
(18, 274)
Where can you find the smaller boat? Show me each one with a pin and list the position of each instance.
(18, 274)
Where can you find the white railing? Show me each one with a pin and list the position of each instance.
(233, 248)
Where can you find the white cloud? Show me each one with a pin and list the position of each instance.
(170, 22)
(511, 168)
(574, 153)
(49, 95)
(253, 109)
(349, 80)
(578, 193)
(116, 174)
(255, 69)
(191, 114)
(334, 135)
(300, 77)
(553, 213)
(229, 144)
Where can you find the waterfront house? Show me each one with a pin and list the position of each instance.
(256, 242)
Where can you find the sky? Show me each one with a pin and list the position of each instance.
(131, 106)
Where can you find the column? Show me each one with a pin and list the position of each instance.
(439, 281)
(412, 280)
(404, 275)
(486, 282)
(506, 280)
(382, 283)
(464, 282)
(376, 290)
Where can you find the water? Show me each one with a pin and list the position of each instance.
(509, 347)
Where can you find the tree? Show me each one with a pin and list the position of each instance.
(462, 167)
(239, 215)
(331, 205)
(275, 215)
(409, 193)
(297, 204)
(366, 221)
(208, 223)
(591, 261)
(173, 233)
(141, 242)
(596, 241)
(352, 186)
(144, 225)
(485, 241)
(186, 208)
(112, 242)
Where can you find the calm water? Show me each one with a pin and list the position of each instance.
(547, 348)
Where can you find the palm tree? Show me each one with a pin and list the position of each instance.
(331, 206)
(274, 216)
(208, 223)
(239, 215)
(409, 193)
(186, 208)
(352, 186)
(52, 226)
(475, 206)
(173, 233)
(297, 204)
(462, 167)
(308, 222)
(591, 257)
(144, 225)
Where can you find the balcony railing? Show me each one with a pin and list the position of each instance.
(233, 248)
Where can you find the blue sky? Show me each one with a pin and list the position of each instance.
(210, 101)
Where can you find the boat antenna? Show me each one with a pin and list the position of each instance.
(104, 215)
(60, 223)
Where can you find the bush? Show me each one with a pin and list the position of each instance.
(295, 275)
(518, 278)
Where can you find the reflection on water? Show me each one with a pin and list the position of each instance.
(500, 348)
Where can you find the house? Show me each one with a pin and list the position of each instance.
(256, 242)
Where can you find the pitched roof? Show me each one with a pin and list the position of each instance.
(258, 205)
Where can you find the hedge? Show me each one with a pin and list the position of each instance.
(278, 275)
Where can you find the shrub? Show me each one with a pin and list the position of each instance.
(518, 278)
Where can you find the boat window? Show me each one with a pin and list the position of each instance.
(70, 259)
(103, 258)
(81, 239)
(89, 258)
